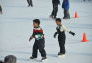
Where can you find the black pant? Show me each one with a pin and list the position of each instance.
(66, 13)
(30, 2)
(0, 8)
(39, 45)
(55, 10)
(61, 40)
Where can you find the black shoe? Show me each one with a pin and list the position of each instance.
(31, 5)
(44, 58)
(54, 17)
(61, 53)
(66, 17)
(32, 57)
(28, 5)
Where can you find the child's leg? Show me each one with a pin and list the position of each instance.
(62, 46)
(35, 50)
(61, 40)
(41, 45)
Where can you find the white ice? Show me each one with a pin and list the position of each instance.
(16, 28)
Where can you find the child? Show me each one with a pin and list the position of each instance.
(30, 3)
(55, 8)
(9, 59)
(39, 40)
(1, 61)
(65, 6)
(0, 9)
(61, 35)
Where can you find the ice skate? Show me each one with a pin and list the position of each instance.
(61, 55)
(32, 57)
(44, 59)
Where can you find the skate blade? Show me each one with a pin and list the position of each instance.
(33, 59)
(61, 56)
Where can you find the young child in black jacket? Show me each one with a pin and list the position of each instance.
(61, 35)
(39, 40)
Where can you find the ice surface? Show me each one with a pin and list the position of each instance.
(16, 28)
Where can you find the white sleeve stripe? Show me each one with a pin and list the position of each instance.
(65, 28)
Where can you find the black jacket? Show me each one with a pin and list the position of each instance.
(56, 1)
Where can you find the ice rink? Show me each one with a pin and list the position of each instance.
(16, 28)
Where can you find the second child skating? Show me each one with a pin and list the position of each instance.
(60, 30)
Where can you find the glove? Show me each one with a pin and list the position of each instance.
(55, 34)
(72, 33)
(30, 38)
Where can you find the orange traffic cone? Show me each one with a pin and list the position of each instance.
(84, 39)
(76, 15)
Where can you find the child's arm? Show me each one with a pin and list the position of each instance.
(55, 34)
(72, 33)
(32, 36)
(66, 29)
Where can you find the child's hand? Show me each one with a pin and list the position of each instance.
(55, 34)
(30, 39)
(72, 33)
